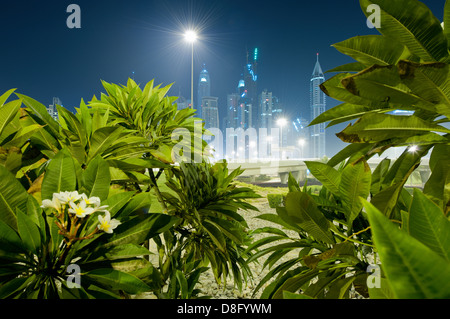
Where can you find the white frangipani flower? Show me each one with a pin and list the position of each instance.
(66, 197)
(107, 224)
(80, 209)
(55, 203)
(95, 202)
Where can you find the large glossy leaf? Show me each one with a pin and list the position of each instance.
(413, 270)
(326, 174)
(7, 114)
(116, 280)
(438, 185)
(346, 112)
(419, 30)
(60, 175)
(140, 229)
(28, 232)
(40, 111)
(102, 139)
(96, 178)
(428, 224)
(373, 49)
(429, 81)
(303, 211)
(12, 196)
(355, 183)
(379, 127)
(382, 84)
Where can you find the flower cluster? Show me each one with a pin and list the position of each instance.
(72, 209)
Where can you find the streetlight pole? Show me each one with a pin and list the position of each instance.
(281, 123)
(191, 37)
(192, 76)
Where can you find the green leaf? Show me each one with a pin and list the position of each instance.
(428, 224)
(28, 232)
(347, 112)
(118, 252)
(102, 139)
(60, 175)
(140, 229)
(12, 196)
(17, 285)
(378, 127)
(384, 86)
(327, 175)
(355, 183)
(96, 178)
(41, 112)
(438, 185)
(10, 240)
(116, 280)
(303, 211)
(291, 295)
(418, 29)
(373, 49)
(349, 67)
(7, 114)
(215, 234)
(294, 283)
(413, 270)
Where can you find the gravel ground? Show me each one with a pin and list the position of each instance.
(207, 283)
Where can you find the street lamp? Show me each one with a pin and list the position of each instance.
(191, 36)
(301, 143)
(281, 122)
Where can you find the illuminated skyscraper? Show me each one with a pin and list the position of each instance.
(210, 111)
(265, 107)
(249, 92)
(318, 102)
(204, 89)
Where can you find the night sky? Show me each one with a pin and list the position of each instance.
(43, 58)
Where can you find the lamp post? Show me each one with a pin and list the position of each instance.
(191, 36)
(281, 123)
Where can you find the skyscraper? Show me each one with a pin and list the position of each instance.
(210, 111)
(317, 141)
(51, 109)
(204, 88)
(265, 107)
(249, 92)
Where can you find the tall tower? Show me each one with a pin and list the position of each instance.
(317, 141)
(51, 109)
(204, 88)
(249, 96)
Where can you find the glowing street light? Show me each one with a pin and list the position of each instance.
(413, 148)
(301, 143)
(191, 36)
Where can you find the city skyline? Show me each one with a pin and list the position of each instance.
(143, 39)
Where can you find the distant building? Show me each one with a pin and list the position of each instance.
(234, 112)
(210, 111)
(318, 101)
(182, 103)
(204, 89)
(52, 110)
(265, 107)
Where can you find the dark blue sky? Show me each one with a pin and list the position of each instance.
(43, 58)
